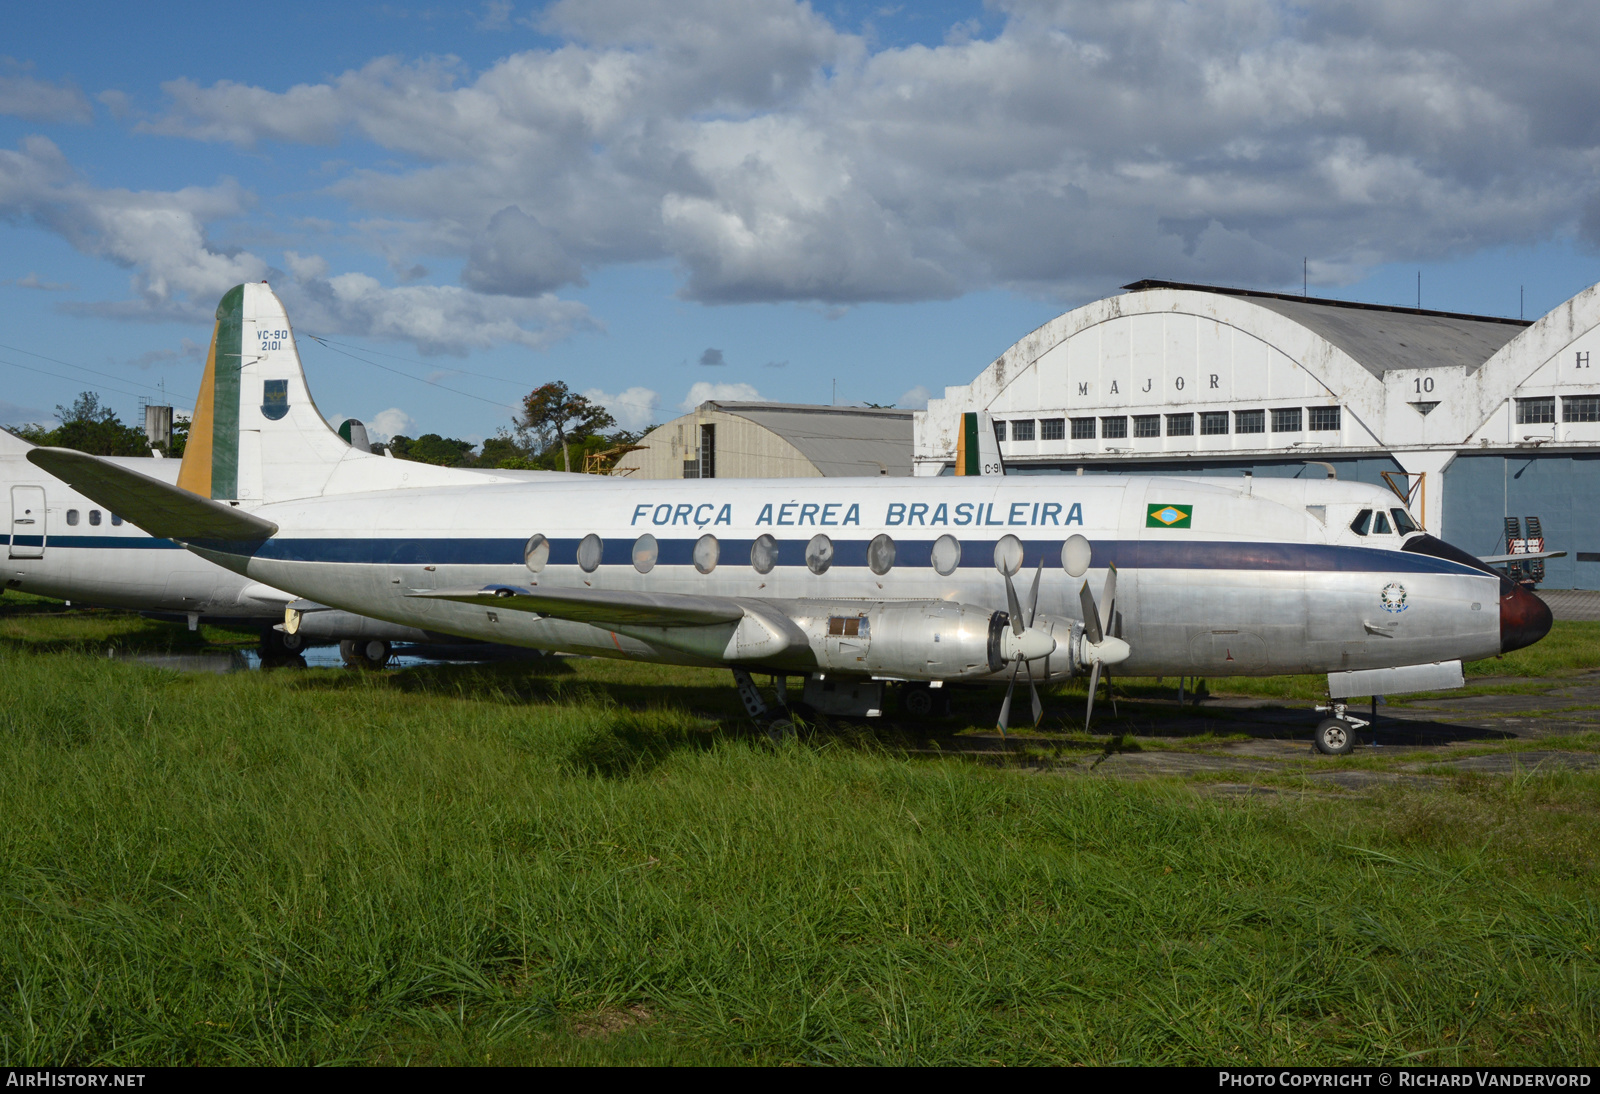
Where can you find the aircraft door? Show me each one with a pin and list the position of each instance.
(27, 522)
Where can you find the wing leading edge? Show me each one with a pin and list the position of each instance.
(162, 509)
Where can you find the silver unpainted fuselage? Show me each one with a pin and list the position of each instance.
(1261, 577)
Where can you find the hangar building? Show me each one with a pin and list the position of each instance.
(738, 440)
(1477, 418)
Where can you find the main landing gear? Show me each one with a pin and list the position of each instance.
(1336, 735)
(777, 724)
(364, 653)
(281, 650)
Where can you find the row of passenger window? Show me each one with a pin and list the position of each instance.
(1574, 408)
(819, 554)
(1285, 419)
(94, 518)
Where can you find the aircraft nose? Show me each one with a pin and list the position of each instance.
(1524, 618)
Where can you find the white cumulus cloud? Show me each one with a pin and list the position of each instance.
(633, 408)
(387, 424)
(773, 156)
(915, 399)
(702, 390)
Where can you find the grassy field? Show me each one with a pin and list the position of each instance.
(594, 862)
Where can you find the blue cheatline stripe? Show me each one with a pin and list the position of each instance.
(110, 543)
(975, 554)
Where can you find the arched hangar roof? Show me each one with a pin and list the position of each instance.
(1378, 337)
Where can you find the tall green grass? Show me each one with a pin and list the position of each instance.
(527, 864)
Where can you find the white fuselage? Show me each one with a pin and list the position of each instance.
(1262, 578)
(59, 543)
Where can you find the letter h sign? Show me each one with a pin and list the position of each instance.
(1583, 359)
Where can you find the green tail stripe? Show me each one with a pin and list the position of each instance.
(225, 404)
(969, 426)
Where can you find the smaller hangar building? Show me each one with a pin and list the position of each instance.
(741, 440)
(1477, 418)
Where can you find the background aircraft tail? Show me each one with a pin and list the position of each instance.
(977, 449)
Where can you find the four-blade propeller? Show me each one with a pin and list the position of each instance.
(1098, 648)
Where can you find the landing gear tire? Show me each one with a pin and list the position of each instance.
(781, 729)
(1334, 737)
(279, 645)
(917, 700)
(364, 653)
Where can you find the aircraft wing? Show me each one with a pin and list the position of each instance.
(1522, 558)
(162, 509)
(599, 606)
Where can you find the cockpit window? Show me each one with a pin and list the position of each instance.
(1403, 522)
(1380, 524)
(1363, 519)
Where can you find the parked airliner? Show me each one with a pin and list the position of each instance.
(852, 583)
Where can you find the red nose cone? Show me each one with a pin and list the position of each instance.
(1524, 619)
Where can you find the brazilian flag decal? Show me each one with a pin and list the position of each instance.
(1168, 516)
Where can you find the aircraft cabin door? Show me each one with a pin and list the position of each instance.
(27, 522)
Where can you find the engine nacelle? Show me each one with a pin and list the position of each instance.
(914, 640)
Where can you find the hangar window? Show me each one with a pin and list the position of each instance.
(94, 517)
(1580, 408)
(1536, 411)
(1147, 425)
(1082, 429)
(1114, 428)
(1362, 522)
(1055, 429)
(1286, 419)
(1213, 423)
(1180, 425)
(1022, 430)
(1323, 417)
(708, 452)
(999, 430)
(72, 517)
(1249, 421)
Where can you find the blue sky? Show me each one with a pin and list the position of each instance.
(655, 202)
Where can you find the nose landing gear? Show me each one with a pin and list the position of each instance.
(1336, 736)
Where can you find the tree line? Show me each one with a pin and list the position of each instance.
(556, 430)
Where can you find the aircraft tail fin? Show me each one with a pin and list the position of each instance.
(256, 435)
(977, 448)
(12, 445)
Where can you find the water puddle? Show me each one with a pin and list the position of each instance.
(321, 657)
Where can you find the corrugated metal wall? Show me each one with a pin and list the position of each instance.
(1561, 490)
(745, 450)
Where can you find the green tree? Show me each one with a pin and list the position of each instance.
(432, 448)
(553, 409)
(89, 427)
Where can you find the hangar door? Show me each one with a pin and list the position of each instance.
(27, 522)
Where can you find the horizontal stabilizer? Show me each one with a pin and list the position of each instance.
(1530, 557)
(600, 606)
(163, 510)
